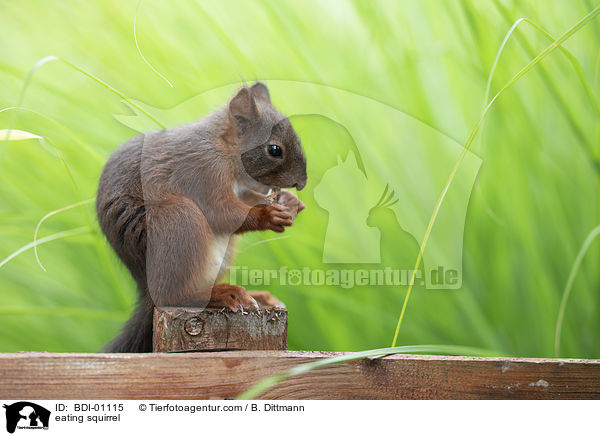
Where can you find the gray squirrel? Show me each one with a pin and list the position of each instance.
(171, 202)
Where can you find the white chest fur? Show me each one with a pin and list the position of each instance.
(219, 248)
(218, 256)
(238, 188)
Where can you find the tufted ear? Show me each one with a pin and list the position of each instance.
(260, 91)
(242, 109)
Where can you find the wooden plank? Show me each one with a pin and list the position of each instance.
(193, 329)
(226, 374)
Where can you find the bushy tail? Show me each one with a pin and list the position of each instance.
(136, 336)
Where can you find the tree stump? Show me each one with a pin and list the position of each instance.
(194, 329)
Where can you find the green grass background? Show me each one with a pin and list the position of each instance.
(536, 197)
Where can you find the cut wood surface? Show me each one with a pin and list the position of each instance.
(193, 329)
(216, 375)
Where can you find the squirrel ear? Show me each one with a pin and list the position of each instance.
(242, 108)
(261, 91)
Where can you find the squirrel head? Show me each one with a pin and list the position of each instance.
(269, 149)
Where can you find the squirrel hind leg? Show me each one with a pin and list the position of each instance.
(179, 240)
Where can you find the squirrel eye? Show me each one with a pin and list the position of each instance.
(274, 150)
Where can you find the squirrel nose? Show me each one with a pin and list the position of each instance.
(299, 186)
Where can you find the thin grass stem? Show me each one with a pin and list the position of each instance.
(138, 47)
(268, 382)
(569, 286)
(48, 215)
(50, 238)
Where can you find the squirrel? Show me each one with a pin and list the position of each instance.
(171, 203)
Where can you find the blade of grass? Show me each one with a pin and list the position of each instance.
(588, 146)
(48, 215)
(115, 91)
(262, 241)
(570, 32)
(33, 69)
(138, 47)
(89, 149)
(574, 62)
(74, 183)
(21, 135)
(569, 286)
(54, 237)
(27, 135)
(268, 382)
(48, 59)
(17, 135)
(108, 266)
(572, 59)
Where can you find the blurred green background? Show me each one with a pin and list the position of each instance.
(535, 200)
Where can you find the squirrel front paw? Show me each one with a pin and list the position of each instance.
(275, 217)
(292, 202)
